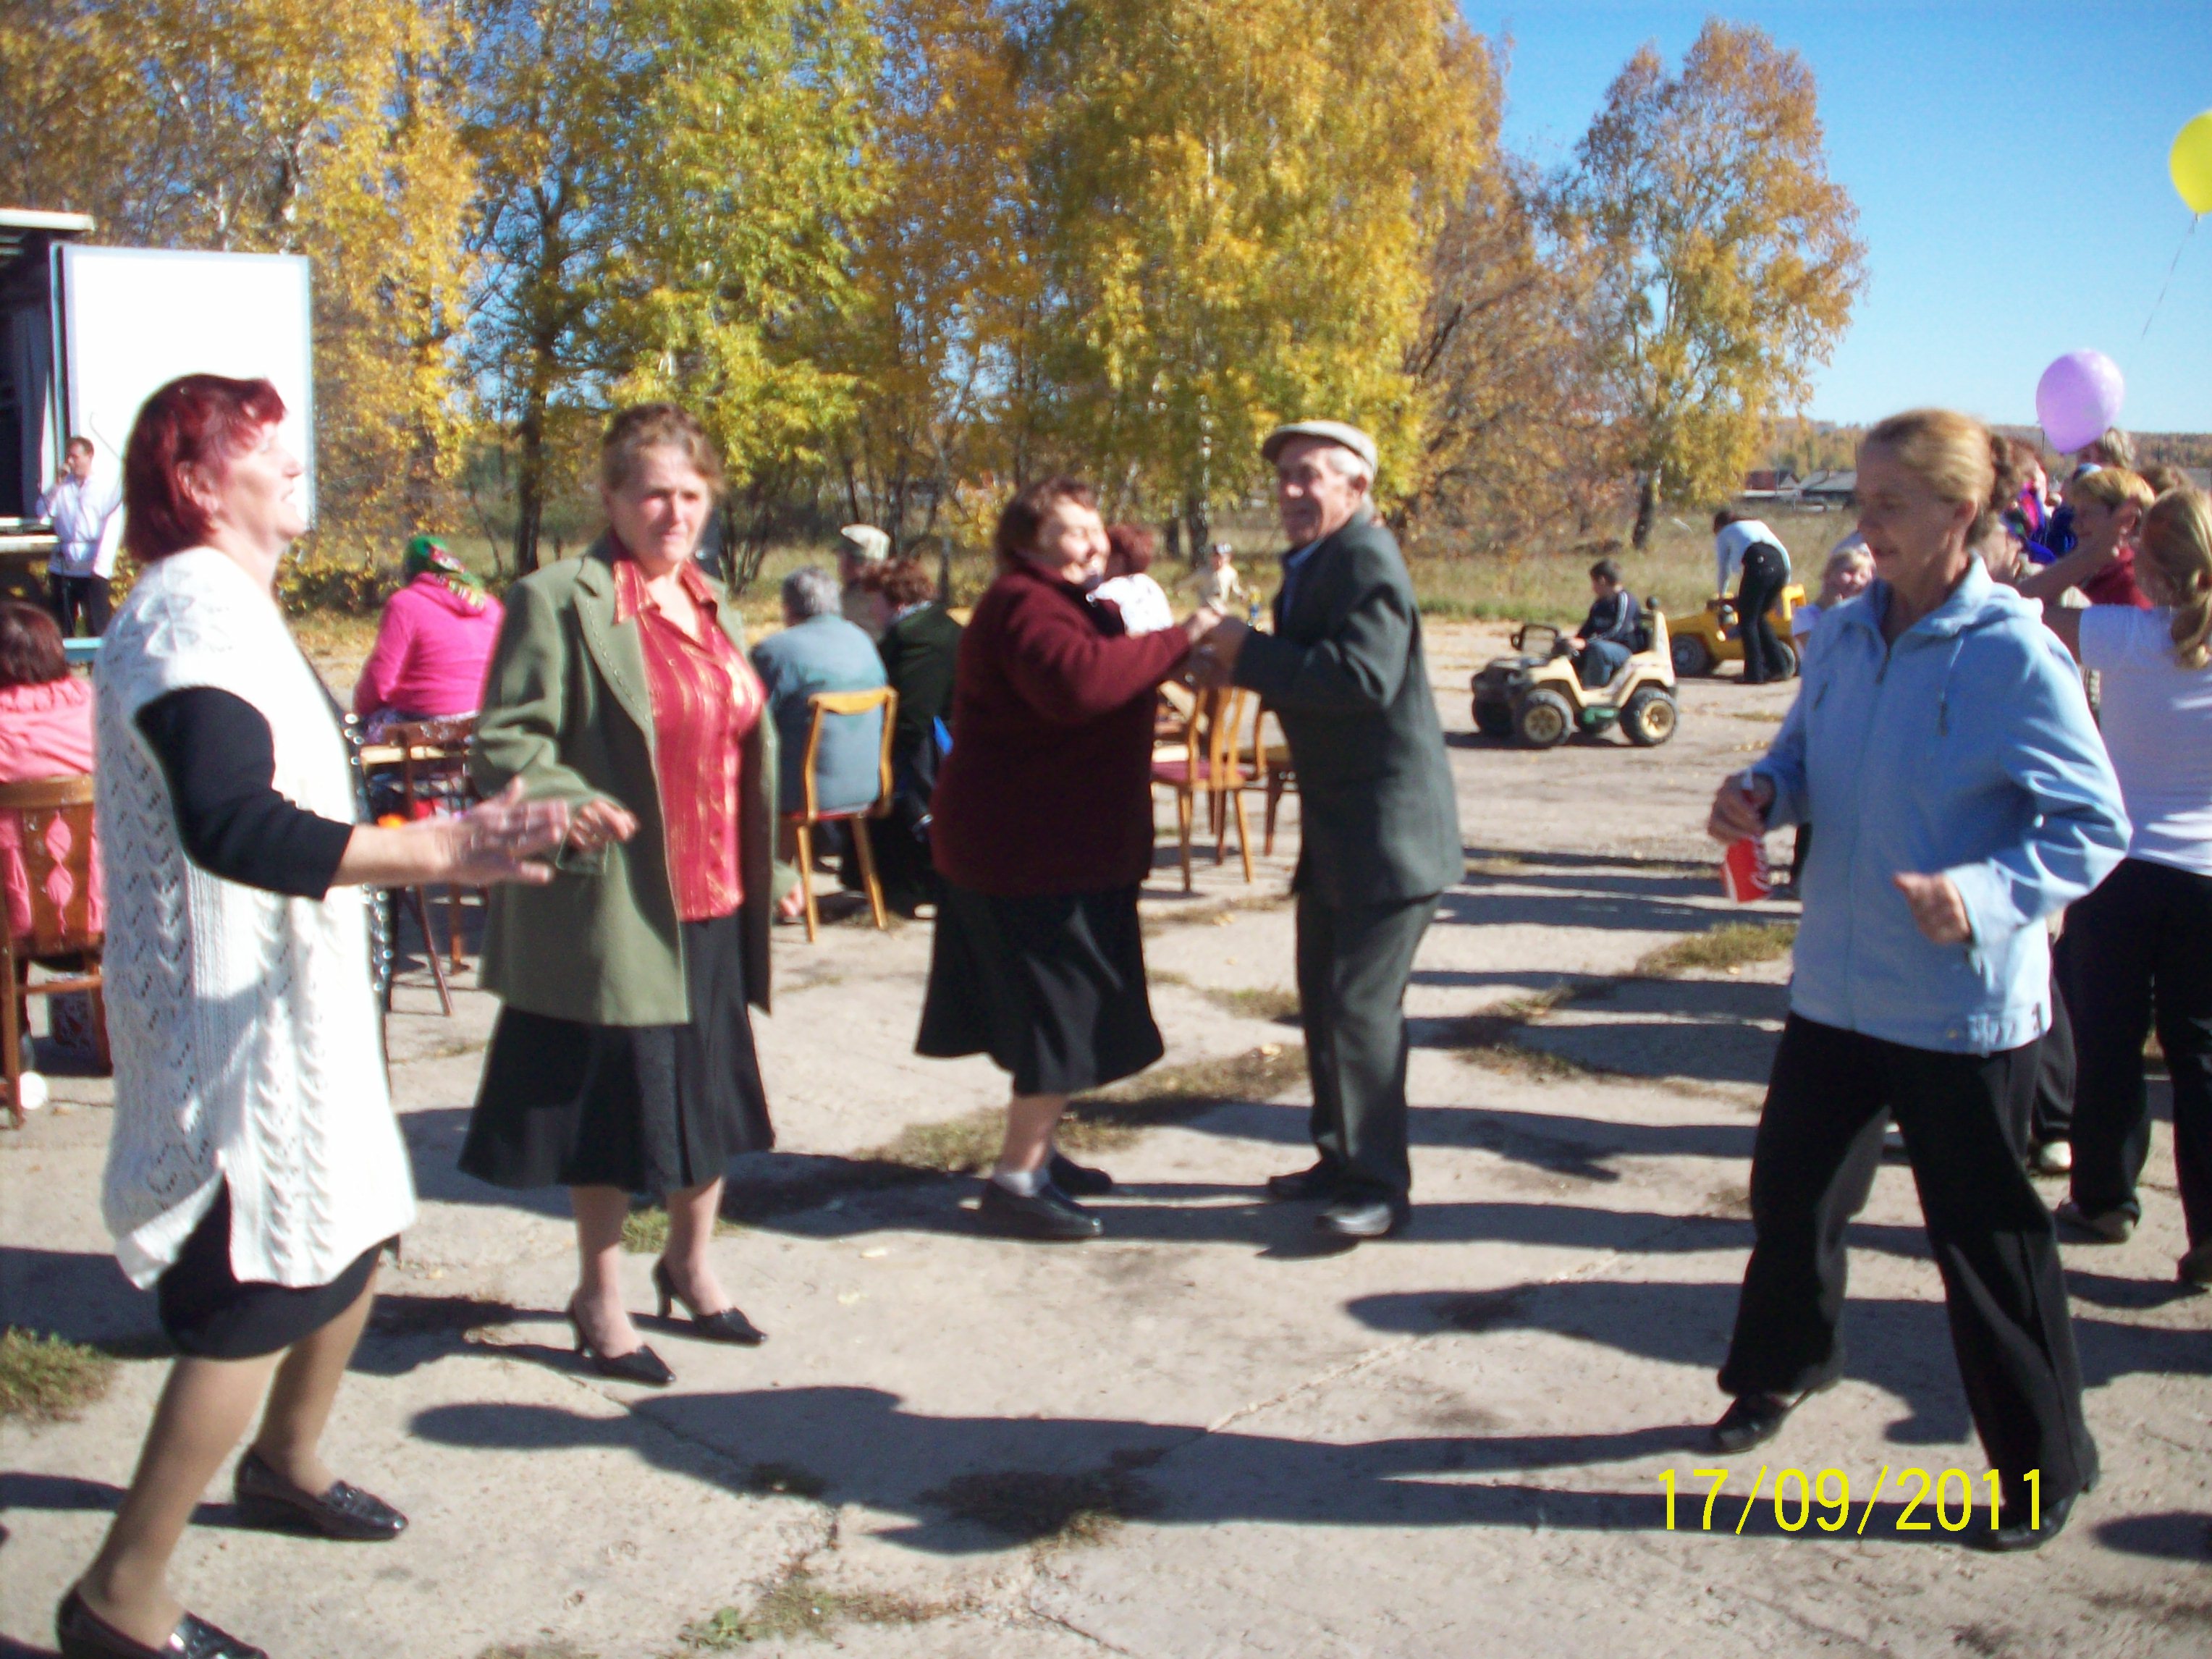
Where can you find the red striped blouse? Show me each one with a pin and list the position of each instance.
(706, 701)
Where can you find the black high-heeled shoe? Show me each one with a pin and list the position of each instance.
(728, 1326)
(641, 1365)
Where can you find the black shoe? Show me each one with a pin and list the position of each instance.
(1364, 1215)
(83, 1634)
(264, 1498)
(2013, 1532)
(1050, 1214)
(1323, 1181)
(1752, 1420)
(727, 1325)
(639, 1365)
(1076, 1180)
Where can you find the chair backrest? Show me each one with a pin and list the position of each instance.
(1217, 715)
(54, 816)
(827, 705)
(433, 763)
(1261, 766)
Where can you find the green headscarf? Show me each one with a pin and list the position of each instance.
(427, 556)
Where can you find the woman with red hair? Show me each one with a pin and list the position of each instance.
(254, 1168)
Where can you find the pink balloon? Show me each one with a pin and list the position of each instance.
(2078, 397)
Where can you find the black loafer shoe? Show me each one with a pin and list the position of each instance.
(1322, 1180)
(2013, 1532)
(1050, 1214)
(264, 1498)
(83, 1634)
(1358, 1215)
(1076, 1180)
(1752, 1420)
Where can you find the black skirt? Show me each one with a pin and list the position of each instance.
(211, 1314)
(1051, 987)
(649, 1108)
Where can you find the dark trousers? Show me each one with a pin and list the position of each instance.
(71, 597)
(2053, 1118)
(1965, 1122)
(1354, 962)
(1764, 571)
(2142, 953)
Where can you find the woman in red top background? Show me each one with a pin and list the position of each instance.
(1043, 833)
(624, 1061)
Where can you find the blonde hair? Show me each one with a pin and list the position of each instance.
(1955, 456)
(643, 427)
(2176, 541)
(2115, 448)
(2115, 487)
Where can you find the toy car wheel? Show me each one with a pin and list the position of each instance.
(1493, 719)
(1786, 654)
(1649, 718)
(1691, 655)
(1545, 720)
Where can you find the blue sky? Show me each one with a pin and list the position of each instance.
(2009, 165)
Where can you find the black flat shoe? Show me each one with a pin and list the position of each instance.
(1322, 1180)
(1756, 1418)
(726, 1325)
(1360, 1215)
(1076, 1180)
(1050, 1215)
(83, 1634)
(639, 1365)
(264, 1498)
(2013, 1532)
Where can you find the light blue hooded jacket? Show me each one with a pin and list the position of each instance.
(1968, 748)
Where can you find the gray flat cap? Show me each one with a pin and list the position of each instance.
(866, 544)
(1332, 432)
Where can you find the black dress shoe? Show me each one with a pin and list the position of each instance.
(1364, 1215)
(2014, 1533)
(1076, 1180)
(1756, 1418)
(641, 1365)
(727, 1325)
(83, 1634)
(264, 1498)
(1049, 1214)
(1322, 1180)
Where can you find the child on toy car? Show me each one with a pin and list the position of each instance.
(1607, 638)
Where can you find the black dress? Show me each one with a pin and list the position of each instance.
(649, 1108)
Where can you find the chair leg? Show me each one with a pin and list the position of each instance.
(1243, 835)
(1274, 800)
(454, 927)
(430, 948)
(806, 836)
(1185, 806)
(864, 849)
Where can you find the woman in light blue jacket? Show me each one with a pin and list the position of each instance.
(1942, 743)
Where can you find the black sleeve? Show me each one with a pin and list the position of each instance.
(220, 761)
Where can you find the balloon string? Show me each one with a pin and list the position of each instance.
(2181, 248)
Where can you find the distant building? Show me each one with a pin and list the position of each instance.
(1827, 489)
(1766, 481)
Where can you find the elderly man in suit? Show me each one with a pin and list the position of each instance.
(1379, 820)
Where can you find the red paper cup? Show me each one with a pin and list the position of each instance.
(1743, 872)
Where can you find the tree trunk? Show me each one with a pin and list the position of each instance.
(529, 485)
(1647, 509)
(1171, 538)
(1198, 528)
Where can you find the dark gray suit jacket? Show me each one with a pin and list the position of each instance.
(1344, 671)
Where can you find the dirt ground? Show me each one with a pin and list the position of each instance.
(1200, 1435)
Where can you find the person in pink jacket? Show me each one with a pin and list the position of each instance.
(433, 645)
(46, 732)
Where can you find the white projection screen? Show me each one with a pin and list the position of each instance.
(132, 319)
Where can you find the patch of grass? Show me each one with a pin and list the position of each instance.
(1732, 944)
(801, 1604)
(1492, 1037)
(645, 1231)
(48, 1379)
(1049, 1510)
(1175, 1094)
(785, 1480)
(535, 1650)
(959, 1145)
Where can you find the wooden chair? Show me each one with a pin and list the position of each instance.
(54, 818)
(1209, 763)
(433, 761)
(1271, 765)
(827, 705)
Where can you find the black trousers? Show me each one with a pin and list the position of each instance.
(1765, 573)
(71, 597)
(2053, 1118)
(2142, 953)
(1964, 1120)
(1354, 962)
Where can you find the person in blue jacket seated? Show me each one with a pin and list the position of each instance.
(1607, 638)
(1943, 744)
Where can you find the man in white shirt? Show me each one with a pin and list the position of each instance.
(87, 521)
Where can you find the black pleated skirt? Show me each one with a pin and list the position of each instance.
(649, 1108)
(209, 1313)
(1051, 987)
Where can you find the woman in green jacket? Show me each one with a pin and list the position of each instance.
(622, 1061)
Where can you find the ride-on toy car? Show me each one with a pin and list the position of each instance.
(1713, 637)
(1536, 696)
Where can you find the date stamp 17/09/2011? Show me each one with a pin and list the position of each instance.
(1830, 1490)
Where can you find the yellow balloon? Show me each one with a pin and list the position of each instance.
(2190, 163)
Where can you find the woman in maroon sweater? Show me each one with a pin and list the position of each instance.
(1042, 831)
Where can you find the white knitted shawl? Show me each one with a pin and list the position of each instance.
(246, 1032)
